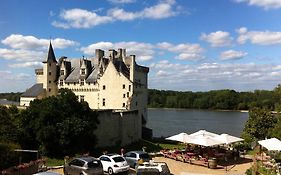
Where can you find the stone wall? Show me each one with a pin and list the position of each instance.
(118, 128)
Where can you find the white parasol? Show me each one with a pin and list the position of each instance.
(227, 139)
(272, 144)
(181, 137)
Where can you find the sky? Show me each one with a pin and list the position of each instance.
(188, 45)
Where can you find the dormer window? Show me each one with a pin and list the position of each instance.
(62, 72)
(83, 71)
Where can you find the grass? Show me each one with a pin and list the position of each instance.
(54, 162)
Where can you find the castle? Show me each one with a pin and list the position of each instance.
(117, 84)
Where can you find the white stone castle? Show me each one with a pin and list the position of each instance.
(115, 83)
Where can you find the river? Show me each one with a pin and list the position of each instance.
(167, 122)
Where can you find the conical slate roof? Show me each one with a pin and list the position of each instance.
(51, 55)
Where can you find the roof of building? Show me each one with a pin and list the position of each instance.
(34, 91)
(51, 55)
(7, 102)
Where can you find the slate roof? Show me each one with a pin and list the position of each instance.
(7, 102)
(51, 55)
(34, 91)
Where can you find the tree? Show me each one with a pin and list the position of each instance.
(59, 125)
(258, 125)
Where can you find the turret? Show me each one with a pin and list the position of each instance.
(50, 71)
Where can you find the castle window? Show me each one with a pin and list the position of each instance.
(103, 87)
(124, 86)
(50, 73)
(50, 64)
(136, 103)
(49, 89)
(61, 72)
(74, 83)
(103, 101)
(129, 87)
(81, 82)
(123, 105)
(49, 81)
(61, 82)
(124, 95)
(83, 71)
(127, 94)
(81, 98)
(89, 83)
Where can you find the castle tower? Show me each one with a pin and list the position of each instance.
(50, 73)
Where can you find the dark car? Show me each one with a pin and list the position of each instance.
(135, 157)
(83, 166)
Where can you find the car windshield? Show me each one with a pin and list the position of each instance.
(144, 156)
(94, 164)
(118, 159)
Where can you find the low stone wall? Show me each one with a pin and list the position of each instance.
(118, 128)
(23, 169)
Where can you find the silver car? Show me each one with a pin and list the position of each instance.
(135, 157)
(83, 166)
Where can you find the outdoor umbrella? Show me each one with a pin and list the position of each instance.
(203, 133)
(204, 140)
(272, 144)
(181, 137)
(227, 139)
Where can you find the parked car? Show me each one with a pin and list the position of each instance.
(154, 168)
(114, 163)
(134, 157)
(83, 166)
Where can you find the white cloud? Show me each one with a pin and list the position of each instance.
(33, 64)
(17, 41)
(266, 4)
(122, 1)
(186, 51)
(80, 18)
(122, 15)
(232, 55)
(217, 39)
(144, 51)
(258, 37)
(21, 55)
(206, 76)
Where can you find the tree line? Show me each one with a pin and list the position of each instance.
(216, 99)
(56, 126)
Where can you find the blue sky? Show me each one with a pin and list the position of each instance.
(189, 45)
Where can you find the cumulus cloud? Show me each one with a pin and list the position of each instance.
(21, 55)
(206, 76)
(217, 39)
(17, 41)
(81, 18)
(146, 51)
(258, 37)
(186, 51)
(266, 4)
(33, 64)
(232, 55)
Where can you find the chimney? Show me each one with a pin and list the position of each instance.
(99, 54)
(112, 54)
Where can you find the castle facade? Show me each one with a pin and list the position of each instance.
(115, 82)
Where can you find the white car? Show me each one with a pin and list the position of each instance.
(114, 163)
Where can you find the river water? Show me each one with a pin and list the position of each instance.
(167, 122)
